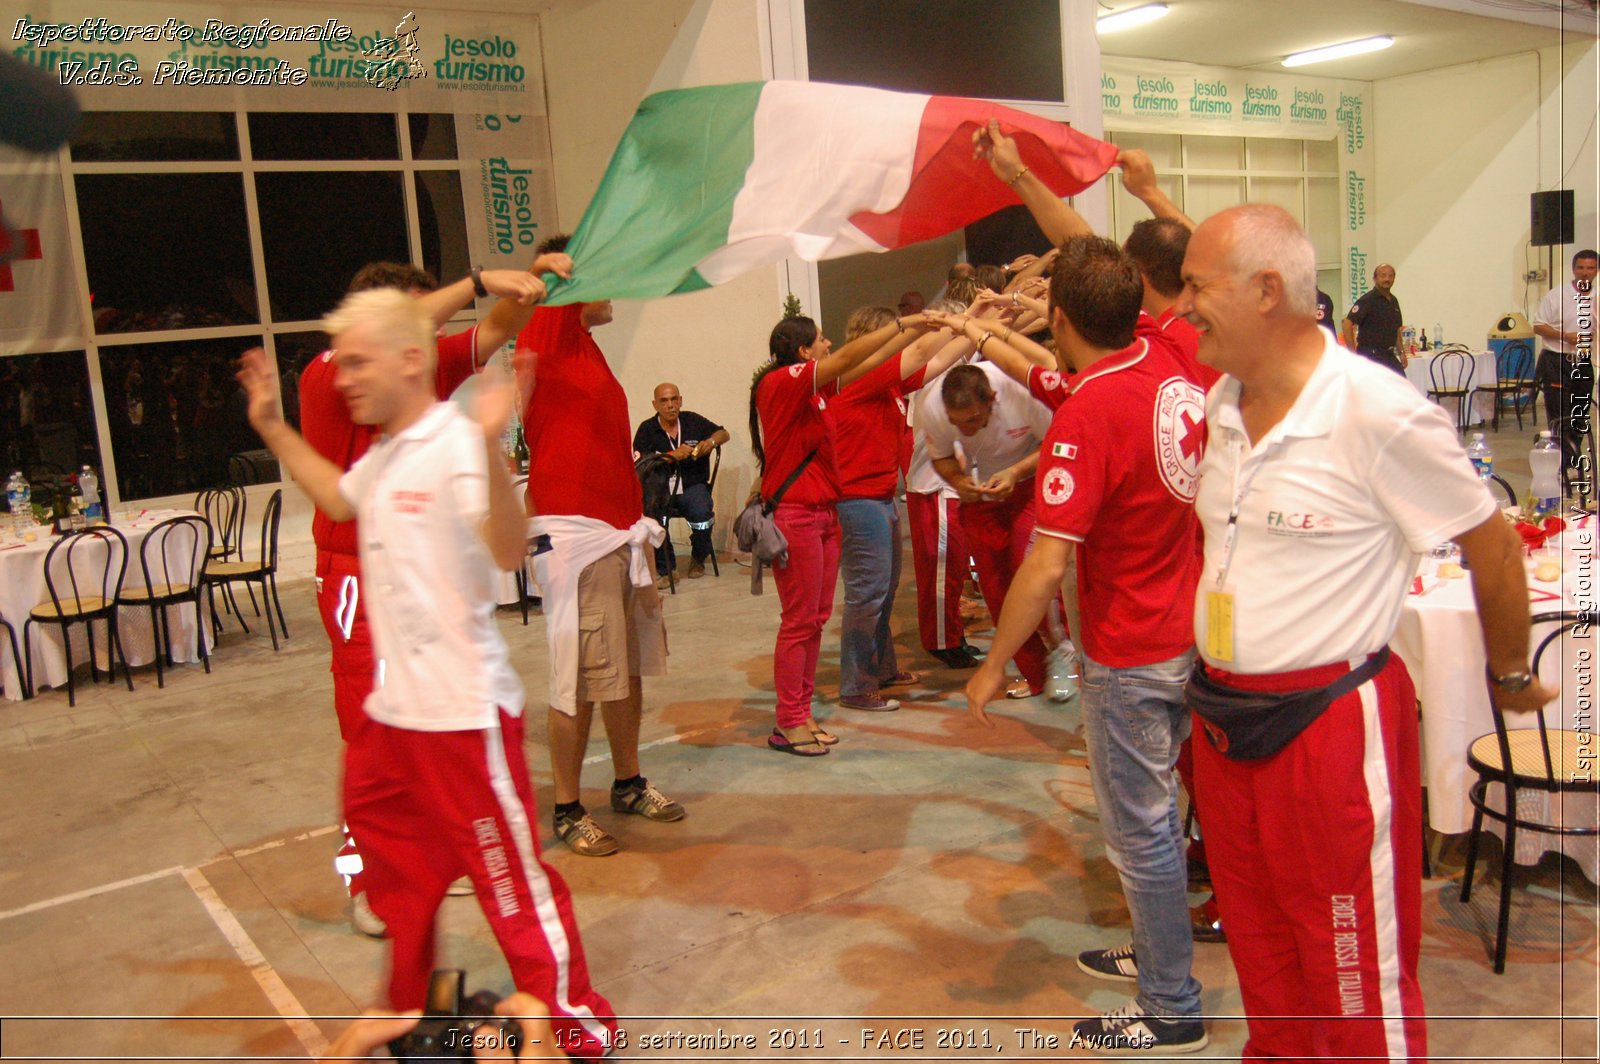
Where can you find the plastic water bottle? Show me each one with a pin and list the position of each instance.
(90, 484)
(19, 497)
(1438, 335)
(1545, 462)
(1481, 456)
(75, 518)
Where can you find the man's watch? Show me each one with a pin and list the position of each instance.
(477, 283)
(1512, 682)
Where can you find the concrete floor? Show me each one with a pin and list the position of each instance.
(168, 865)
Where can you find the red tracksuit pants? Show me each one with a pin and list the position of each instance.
(999, 535)
(1316, 857)
(940, 557)
(339, 603)
(434, 806)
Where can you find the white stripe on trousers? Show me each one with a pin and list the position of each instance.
(940, 570)
(544, 904)
(1385, 914)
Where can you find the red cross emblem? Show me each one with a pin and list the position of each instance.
(16, 244)
(1190, 442)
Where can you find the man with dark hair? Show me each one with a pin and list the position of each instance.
(999, 427)
(1565, 322)
(602, 613)
(326, 423)
(687, 440)
(1115, 509)
(1372, 326)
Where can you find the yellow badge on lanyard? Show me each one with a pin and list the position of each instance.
(1219, 624)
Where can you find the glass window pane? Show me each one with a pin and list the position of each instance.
(1326, 211)
(145, 136)
(300, 135)
(166, 251)
(433, 136)
(1273, 153)
(1213, 153)
(442, 217)
(1206, 196)
(310, 266)
(1286, 192)
(46, 417)
(295, 350)
(1322, 156)
(1163, 148)
(176, 415)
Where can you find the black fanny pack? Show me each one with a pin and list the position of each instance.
(1251, 725)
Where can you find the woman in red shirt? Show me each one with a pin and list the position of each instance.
(787, 398)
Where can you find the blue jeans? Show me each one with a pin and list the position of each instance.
(1134, 720)
(869, 561)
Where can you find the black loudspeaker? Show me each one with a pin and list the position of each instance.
(1552, 217)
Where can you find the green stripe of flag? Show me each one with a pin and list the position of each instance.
(666, 201)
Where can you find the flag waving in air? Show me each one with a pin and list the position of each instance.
(710, 182)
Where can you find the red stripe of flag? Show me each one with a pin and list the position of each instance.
(951, 189)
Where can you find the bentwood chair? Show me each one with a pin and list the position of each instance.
(263, 571)
(172, 560)
(1450, 377)
(83, 574)
(675, 509)
(1553, 762)
(1514, 380)
(16, 658)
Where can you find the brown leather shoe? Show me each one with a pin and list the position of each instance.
(697, 569)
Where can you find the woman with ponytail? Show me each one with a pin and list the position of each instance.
(793, 447)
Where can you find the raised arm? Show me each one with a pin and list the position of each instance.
(1058, 220)
(519, 286)
(1139, 178)
(315, 474)
(866, 353)
(508, 316)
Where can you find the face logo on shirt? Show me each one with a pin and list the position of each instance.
(1180, 436)
(1057, 486)
(1050, 380)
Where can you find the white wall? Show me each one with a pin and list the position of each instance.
(1459, 151)
(602, 58)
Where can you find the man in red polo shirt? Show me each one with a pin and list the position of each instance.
(325, 422)
(1112, 500)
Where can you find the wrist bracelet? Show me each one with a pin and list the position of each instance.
(899, 325)
(983, 340)
(1007, 337)
(477, 283)
(1014, 180)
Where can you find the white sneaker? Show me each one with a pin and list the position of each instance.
(1062, 671)
(364, 920)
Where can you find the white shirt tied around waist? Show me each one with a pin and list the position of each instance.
(1340, 500)
(575, 544)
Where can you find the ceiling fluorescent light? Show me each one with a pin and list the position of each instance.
(1133, 16)
(1339, 51)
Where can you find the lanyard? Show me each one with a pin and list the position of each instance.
(1231, 536)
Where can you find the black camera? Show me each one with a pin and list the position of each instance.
(451, 1023)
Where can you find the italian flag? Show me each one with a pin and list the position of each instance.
(710, 182)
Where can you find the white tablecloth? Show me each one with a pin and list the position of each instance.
(22, 587)
(1481, 406)
(1439, 639)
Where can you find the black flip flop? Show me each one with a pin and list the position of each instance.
(777, 741)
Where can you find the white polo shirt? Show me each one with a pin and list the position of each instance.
(1339, 501)
(1568, 311)
(428, 578)
(1016, 426)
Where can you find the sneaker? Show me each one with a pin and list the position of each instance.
(1205, 921)
(460, 888)
(964, 656)
(1061, 668)
(363, 919)
(1130, 1029)
(647, 802)
(1115, 963)
(697, 569)
(870, 703)
(583, 836)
